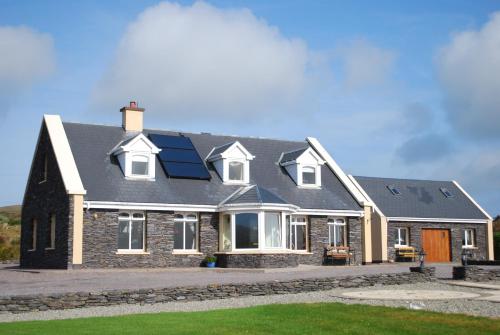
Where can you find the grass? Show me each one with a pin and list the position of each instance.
(10, 231)
(325, 318)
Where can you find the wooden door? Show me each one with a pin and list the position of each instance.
(436, 244)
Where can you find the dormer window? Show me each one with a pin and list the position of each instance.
(232, 162)
(304, 166)
(136, 156)
(236, 171)
(140, 165)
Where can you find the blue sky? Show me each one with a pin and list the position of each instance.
(391, 88)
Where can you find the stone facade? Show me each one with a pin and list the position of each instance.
(100, 238)
(43, 199)
(257, 260)
(456, 232)
(40, 302)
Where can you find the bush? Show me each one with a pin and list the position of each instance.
(496, 243)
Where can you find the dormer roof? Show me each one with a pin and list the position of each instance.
(295, 156)
(229, 149)
(135, 141)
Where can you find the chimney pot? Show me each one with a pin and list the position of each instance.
(133, 104)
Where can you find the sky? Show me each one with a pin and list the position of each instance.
(391, 88)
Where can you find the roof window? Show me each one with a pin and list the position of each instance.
(446, 193)
(394, 190)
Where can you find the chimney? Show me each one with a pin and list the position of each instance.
(132, 117)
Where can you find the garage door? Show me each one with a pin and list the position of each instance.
(436, 244)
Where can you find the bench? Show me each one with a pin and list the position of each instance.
(406, 253)
(338, 253)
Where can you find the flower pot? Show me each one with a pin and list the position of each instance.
(210, 264)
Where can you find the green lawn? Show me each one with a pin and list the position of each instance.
(271, 319)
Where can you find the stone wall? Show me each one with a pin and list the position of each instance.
(42, 200)
(456, 231)
(257, 260)
(100, 236)
(476, 273)
(28, 303)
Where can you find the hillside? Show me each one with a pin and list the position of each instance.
(10, 229)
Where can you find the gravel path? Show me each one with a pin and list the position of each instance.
(466, 306)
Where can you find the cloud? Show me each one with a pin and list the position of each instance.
(469, 73)
(365, 64)
(27, 56)
(417, 117)
(201, 61)
(424, 148)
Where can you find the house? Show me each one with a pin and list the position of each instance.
(123, 196)
(436, 216)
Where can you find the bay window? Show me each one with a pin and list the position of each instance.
(273, 229)
(185, 232)
(131, 231)
(246, 230)
(337, 232)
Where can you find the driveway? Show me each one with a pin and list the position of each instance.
(16, 281)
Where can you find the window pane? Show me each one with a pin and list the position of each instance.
(191, 217)
(273, 230)
(247, 231)
(123, 235)
(331, 232)
(179, 217)
(288, 232)
(235, 171)
(140, 168)
(308, 178)
(137, 235)
(403, 240)
(178, 235)
(301, 237)
(138, 216)
(190, 235)
(48, 234)
(339, 236)
(226, 233)
(124, 215)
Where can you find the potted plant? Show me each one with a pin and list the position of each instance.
(210, 260)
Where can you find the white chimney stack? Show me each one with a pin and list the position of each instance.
(132, 117)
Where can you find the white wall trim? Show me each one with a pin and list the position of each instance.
(338, 171)
(328, 212)
(356, 184)
(472, 200)
(148, 206)
(441, 220)
(64, 156)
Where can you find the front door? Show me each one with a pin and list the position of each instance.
(436, 244)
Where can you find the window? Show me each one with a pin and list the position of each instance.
(50, 238)
(32, 243)
(131, 231)
(468, 238)
(394, 190)
(43, 174)
(140, 165)
(308, 175)
(185, 231)
(247, 231)
(226, 236)
(297, 233)
(401, 236)
(446, 192)
(236, 171)
(337, 232)
(273, 230)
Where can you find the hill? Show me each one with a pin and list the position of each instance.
(10, 230)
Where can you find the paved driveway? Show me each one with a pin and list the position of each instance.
(15, 281)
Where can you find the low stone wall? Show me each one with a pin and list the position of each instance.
(476, 273)
(429, 271)
(29, 303)
(257, 260)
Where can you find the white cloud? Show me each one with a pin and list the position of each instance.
(198, 60)
(469, 72)
(27, 56)
(365, 64)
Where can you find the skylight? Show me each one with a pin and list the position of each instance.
(394, 190)
(446, 192)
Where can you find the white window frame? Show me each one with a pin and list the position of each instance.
(314, 170)
(142, 158)
(336, 221)
(131, 219)
(34, 228)
(469, 238)
(185, 219)
(243, 171)
(407, 237)
(293, 226)
(280, 223)
(52, 226)
(45, 168)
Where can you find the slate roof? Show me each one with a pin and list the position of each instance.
(292, 155)
(419, 199)
(254, 194)
(220, 150)
(104, 181)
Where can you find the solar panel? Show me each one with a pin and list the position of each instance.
(179, 157)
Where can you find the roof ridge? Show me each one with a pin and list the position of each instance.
(403, 179)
